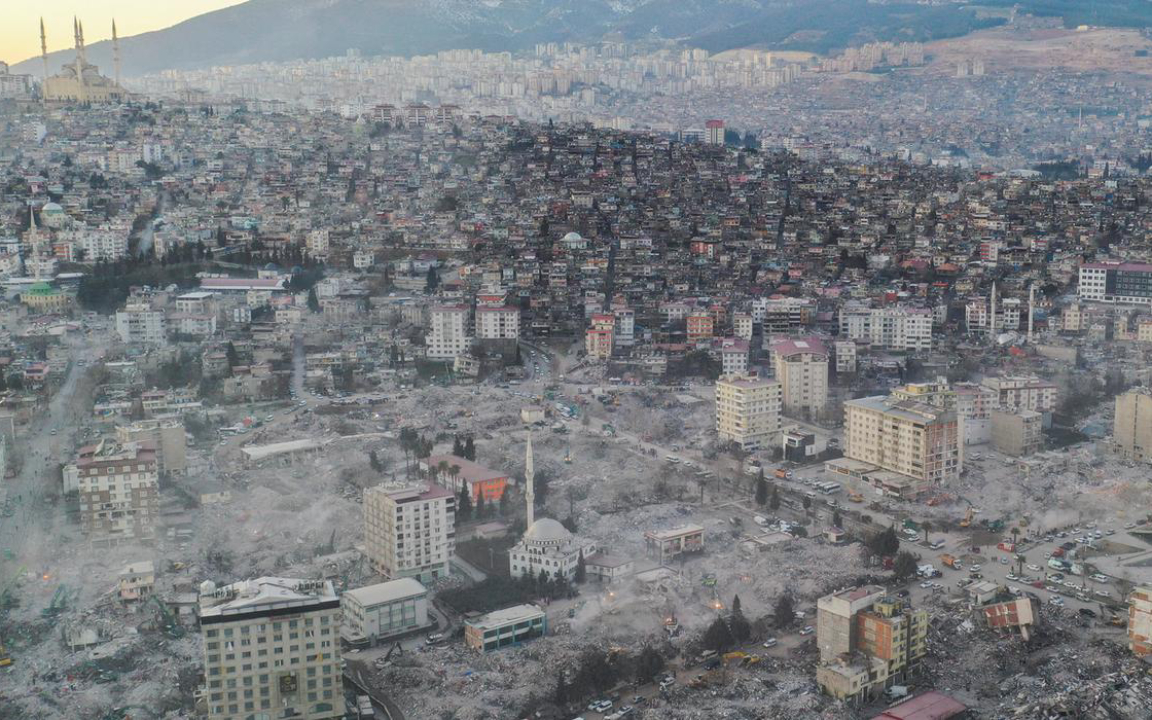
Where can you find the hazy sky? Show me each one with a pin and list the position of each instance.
(20, 27)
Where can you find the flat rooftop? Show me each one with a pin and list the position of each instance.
(500, 618)
(386, 592)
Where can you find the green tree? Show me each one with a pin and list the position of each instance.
(884, 543)
(905, 565)
(374, 461)
(740, 628)
(718, 636)
(504, 503)
(649, 663)
(561, 694)
(736, 609)
(836, 519)
(581, 569)
(313, 301)
(807, 502)
(431, 280)
(481, 505)
(464, 505)
(761, 490)
(784, 612)
(470, 449)
(774, 501)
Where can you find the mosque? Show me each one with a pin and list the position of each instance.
(81, 81)
(547, 545)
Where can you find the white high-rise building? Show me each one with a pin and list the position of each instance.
(908, 329)
(272, 649)
(139, 324)
(912, 438)
(802, 371)
(448, 335)
(497, 323)
(410, 532)
(747, 410)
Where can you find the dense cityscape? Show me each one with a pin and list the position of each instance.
(593, 382)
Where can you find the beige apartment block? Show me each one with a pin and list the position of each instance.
(747, 410)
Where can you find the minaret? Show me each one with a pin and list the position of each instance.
(78, 39)
(116, 52)
(43, 52)
(992, 315)
(1031, 305)
(529, 487)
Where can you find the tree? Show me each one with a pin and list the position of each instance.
(799, 531)
(504, 503)
(561, 695)
(905, 565)
(470, 449)
(718, 637)
(464, 505)
(927, 527)
(736, 605)
(374, 461)
(481, 506)
(774, 501)
(884, 543)
(739, 626)
(836, 518)
(784, 611)
(431, 280)
(457, 447)
(761, 490)
(807, 502)
(581, 569)
(648, 664)
(313, 301)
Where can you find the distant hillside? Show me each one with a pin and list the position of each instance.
(278, 30)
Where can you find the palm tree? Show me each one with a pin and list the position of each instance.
(454, 471)
(441, 469)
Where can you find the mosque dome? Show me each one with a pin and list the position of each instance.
(573, 237)
(547, 531)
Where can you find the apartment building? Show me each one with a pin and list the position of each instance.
(139, 324)
(1140, 620)
(747, 410)
(625, 328)
(1023, 393)
(845, 352)
(168, 438)
(1132, 424)
(912, 438)
(699, 326)
(868, 641)
(802, 370)
(118, 486)
(448, 332)
(271, 649)
(742, 326)
(908, 329)
(410, 532)
(497, 323)
(505, 628)
(780, 316)
(1017, 434)
(733, 356)
(1116, 282)
(382, 611)
(600, 336)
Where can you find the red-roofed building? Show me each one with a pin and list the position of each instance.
(478, 478)
(929, 706)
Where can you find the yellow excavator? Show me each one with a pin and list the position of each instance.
(967, 518)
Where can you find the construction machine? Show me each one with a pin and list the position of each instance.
(967, 521)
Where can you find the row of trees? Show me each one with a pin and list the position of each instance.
(597, 672)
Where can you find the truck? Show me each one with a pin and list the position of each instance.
(949, 561)
(1007, 546)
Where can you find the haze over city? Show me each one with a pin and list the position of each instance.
(575, 360)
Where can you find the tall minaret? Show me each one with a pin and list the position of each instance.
(992, 315)
(1031, 305)
(529, 487)
(116, 52)
(78, 39)
(43, 52)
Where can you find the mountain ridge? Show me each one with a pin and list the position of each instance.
(282, 30)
